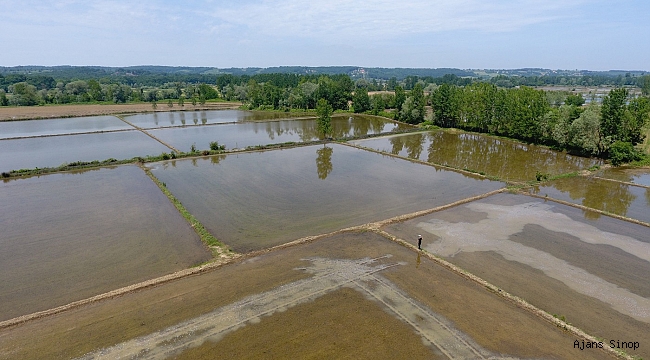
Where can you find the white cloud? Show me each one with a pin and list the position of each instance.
(343, 19)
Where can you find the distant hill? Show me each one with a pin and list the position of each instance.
(96, 72)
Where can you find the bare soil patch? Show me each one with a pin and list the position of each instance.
(58, 111)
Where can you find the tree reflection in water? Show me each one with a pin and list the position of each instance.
(324, 162)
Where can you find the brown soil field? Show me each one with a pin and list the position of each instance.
(57, 111)
(341, 321)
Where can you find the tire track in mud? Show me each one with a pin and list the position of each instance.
(432, 327)
(328, 275)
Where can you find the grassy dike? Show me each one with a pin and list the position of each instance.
(219, 250)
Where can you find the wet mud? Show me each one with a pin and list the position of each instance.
(591, 276)
(392, 295)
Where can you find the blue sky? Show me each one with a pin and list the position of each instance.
(556, 34)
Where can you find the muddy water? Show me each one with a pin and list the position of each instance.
(69, 236)
(188, 118)
(616, 198)
(592, 272)
(54, 151)
(257, 200)
(637, 176)
(344, 320)
(246, 134)
(506, 159)
(14, 129)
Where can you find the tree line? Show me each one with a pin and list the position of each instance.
(610, 129)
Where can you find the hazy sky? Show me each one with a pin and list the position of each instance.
(556, 34)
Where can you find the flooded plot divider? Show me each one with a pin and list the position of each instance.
(146, 133)
(67, 134)
(585, 208)
(448, 167)
(622, 182)
(219, 250)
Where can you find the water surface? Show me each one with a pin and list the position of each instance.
(56, 150)
(16, 129)
(632, 175)
(189, 118)
(256, 200)
(69, 236)
(505, 159)
(242, 135)
(613, 197)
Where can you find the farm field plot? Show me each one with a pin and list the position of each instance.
(56, 150)
(256, 200)
(70, 236)
(57, 111)
(348, 295)
(242, 135)
(592, 272)
(505, 159)
(188, 118)
(620, 199)
(636, 176)
(16, 129)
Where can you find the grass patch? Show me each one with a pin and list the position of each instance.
(563, 176)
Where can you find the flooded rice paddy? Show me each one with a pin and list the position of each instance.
(189, 118)
(28, 128)
(70, 236)
(502, 158)
(353, 295)
(636, 176)
(252, 201)
(57, 150)
(242, 135)
(592, 272)
(30, 144)
(613, 197)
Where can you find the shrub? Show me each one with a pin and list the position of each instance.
(214, 145)
(623, 152)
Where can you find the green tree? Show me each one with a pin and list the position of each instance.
(400, 98)
(377, 104)
(181, 100)
(622, 152)
(526, 108)
(412, 110)
(584, 132)
(207, 91)
(3, 98)
(636, 117)
(645, 85)
(445, 101)
(361, 100)
(613, 114)
(24, 94)
(324, 111)
(574, 99)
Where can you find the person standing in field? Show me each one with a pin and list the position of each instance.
(419, 242)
